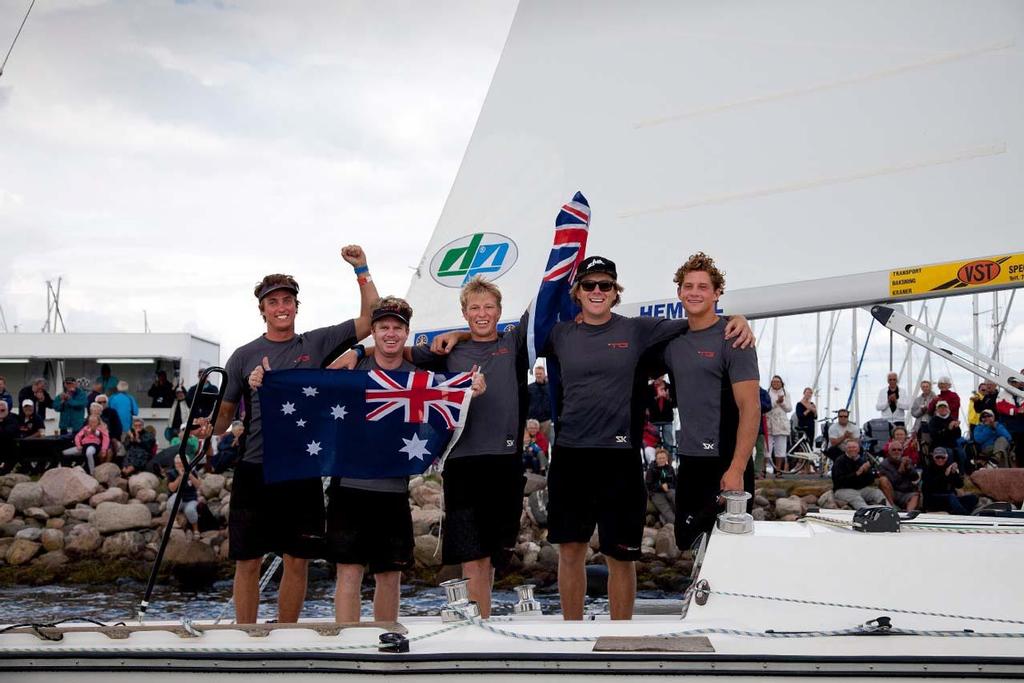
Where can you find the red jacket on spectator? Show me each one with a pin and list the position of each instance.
(950, 397)
(1007, 404)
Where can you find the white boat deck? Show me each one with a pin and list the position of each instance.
(948, 595)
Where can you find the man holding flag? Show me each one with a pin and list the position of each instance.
(287, 517)
(358, 509)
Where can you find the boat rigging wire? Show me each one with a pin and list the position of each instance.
(11, 48)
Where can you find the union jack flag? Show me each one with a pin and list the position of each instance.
(359, 424)
(568, 248)
(421, 392)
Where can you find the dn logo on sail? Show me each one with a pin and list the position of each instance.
(483, 253)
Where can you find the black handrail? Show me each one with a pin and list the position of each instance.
(190, 466)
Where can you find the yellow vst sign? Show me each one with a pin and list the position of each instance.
(958, 275)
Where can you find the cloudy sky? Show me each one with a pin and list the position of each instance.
(163, 156)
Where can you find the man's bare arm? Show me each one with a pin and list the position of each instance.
(748, 401)
(225, 416)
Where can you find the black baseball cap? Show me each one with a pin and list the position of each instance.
(596, 264)
(391, 310)
(268, 288)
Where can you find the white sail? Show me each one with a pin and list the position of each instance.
(810, 146)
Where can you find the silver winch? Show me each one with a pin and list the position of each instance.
(459, 606)
(735, 519)
(527, 605)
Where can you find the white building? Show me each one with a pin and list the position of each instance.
(135, 358)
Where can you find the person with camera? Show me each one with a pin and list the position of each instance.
(140, 446)
(898, 478)
(939, 483)
(71, 404)
(853, 478)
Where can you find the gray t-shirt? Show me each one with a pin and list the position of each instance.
(306, 350)
(390, 484)
(494, 425)
(598, 367)
(704, 366)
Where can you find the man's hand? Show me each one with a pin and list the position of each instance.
(732, 480)
(256, 376)
(353, 255)
(953, 424)
(864, 468)
(444, 343)
(203, 428)
(479, 383)
(346, 361)
(739, 327)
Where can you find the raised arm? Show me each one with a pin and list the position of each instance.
(354, 256)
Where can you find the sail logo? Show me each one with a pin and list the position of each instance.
(482, 253)
(978, 272)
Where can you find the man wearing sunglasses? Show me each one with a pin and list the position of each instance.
(596, 475)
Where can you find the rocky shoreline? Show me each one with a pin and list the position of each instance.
(70, 527)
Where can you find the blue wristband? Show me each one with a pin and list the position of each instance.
(361, 269)
(360, 351)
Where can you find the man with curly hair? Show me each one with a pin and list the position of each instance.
(716, 386)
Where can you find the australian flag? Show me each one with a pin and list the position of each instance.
(364, 425)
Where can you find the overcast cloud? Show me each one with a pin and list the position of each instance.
(163, 156)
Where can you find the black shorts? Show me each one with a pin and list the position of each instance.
(371, 528)
(698, 485)
(483, 504)
(597, 487)
(286, 518)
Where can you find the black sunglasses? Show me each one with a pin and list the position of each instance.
(603, 285)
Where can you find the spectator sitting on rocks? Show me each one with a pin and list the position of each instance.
(71, 405)
(661, 485)
(191, 448)
(92, 441)
(853, 478)
(939, 483)
(909, 443)
(919, 408)
(30, 424)
(944, 429)
(162, 391)
(108, 382)
(535, 446)
(228, 452)
(40, 397)
(124, 404)
(992, 441)
(891, 405)
(111, 419)
(5, 396)
(839, 432)
(188, 491)
(1010, 413)
(8, 433)
(946, 394)
(897, 474)
(140, 447)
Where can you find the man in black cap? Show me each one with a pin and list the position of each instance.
(285, 518)
(596, 475)
(358, 509)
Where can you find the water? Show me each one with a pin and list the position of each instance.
(120, 601)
